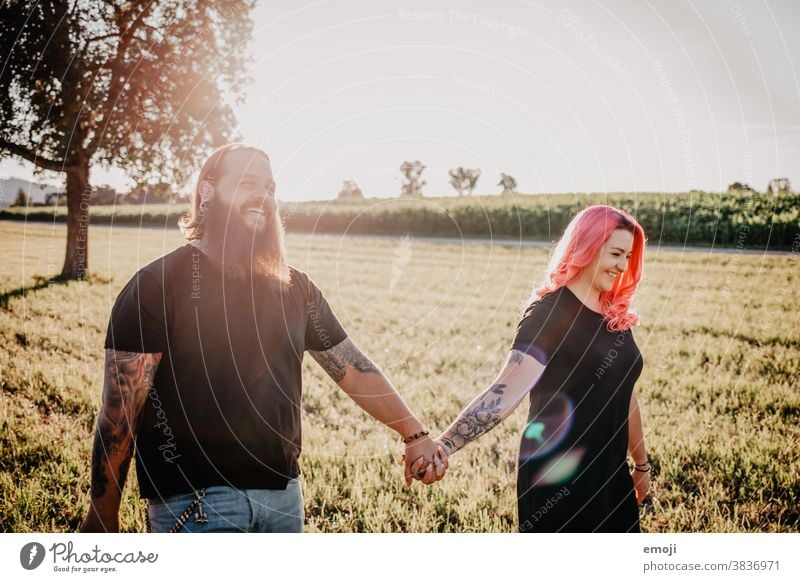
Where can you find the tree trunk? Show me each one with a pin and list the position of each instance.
(76, 262)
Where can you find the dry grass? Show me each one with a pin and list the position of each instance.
(719, 390)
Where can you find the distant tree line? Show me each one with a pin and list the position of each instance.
(782, 185)
(105, 195)
(463, 180)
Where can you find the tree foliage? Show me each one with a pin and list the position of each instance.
(136, 84)
(412, 176)
(464, 179)
(508, 183)
(22, 198)
(779, 185)
(350, 191)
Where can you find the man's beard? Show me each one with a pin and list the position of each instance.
(243, 252)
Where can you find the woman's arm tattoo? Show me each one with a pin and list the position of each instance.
(487, 413)
(476, 421)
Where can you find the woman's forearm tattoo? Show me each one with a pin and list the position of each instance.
(476, 421)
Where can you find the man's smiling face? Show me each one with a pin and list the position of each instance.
(246, 185)
(242, 224)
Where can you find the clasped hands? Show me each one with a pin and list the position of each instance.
(425, 460)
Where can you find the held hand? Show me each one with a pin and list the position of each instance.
(443, 448)
(436, 470)
(641, 484)
(430, 472)
(443, 457)
(424, 461)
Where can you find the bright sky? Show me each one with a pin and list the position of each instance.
(619, 95)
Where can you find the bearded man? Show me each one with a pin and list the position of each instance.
(203, 358)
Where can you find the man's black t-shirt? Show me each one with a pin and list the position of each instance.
(224, 407)
(573, 475)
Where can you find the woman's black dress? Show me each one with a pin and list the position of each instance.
(573, 475)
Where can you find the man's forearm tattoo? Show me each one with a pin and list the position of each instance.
(336, 360)
(476, 421)
(128, 376)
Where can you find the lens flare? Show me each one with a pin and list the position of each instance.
(534, 431)
(547, 429)
(559, 469)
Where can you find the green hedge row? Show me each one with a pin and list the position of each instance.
(696, 218)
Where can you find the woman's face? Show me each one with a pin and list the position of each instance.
(611, 260)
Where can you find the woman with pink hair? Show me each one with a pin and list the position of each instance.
(575, 355)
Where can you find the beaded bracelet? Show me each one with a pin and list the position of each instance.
(413, 437)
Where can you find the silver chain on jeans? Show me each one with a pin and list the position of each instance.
(184, 517)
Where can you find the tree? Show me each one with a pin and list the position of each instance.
(779, 185)
(160, 193)
(22, 198)
(412, 172)
(740, 187)
(131, 83)
(464, 179)
(508, 183)
(350, 191)
(103, 195)
(55, 198)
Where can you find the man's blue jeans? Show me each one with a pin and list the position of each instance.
(233, 510)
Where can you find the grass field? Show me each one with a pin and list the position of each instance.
(719, 390)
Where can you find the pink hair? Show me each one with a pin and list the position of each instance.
(580, 243)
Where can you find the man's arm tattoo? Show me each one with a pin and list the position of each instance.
(336, 360)
(128, 377)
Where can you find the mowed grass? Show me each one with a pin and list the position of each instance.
(719, 390)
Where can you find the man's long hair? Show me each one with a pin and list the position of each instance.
(582, 240)
(191, 222)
